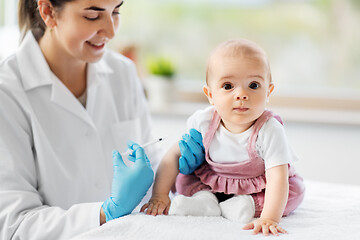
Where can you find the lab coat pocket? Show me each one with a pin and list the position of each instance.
(125, 131)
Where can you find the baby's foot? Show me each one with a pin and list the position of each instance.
(240, 208)
(203, 203)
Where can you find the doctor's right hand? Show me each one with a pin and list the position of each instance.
(129, 185)
(192, 152)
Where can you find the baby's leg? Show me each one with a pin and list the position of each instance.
(240, 208)
(203, 203)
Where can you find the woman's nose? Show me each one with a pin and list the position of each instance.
(109, 28)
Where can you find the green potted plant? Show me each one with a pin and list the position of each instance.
(161, 66)
(160, 84)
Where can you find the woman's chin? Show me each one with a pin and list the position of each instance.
(94, 59)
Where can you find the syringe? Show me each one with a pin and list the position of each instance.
(129, 151)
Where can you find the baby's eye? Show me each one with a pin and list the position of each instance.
(227, 86)
(254, 85)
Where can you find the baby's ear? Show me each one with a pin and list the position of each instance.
(208, 94)
(271, 89)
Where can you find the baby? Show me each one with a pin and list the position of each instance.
(247, 172)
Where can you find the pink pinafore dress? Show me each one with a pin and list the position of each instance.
(247, 177)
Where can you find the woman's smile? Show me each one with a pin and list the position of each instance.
(97, 46)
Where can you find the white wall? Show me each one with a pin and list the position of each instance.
(9, 40)
(9, 32)
(327, 152)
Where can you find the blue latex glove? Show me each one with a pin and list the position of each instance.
(132, 156)
(192, 152)
(130, 184)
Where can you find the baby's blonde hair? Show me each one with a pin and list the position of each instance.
(237, 48)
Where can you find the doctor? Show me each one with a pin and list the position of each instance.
(65, 104)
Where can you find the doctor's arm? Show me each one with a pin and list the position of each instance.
(23, 213)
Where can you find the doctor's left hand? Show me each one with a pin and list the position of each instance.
(192, 152)
(130, 184)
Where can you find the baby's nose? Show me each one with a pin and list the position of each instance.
(241, 94)
(244, 97)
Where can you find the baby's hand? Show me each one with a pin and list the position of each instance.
(157, 205)
(265, 226)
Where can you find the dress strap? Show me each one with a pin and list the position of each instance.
(214, 124)
(255, 132)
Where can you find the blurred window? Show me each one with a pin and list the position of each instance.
(313, 45)
(9, 33)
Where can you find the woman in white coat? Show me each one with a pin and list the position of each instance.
(65, 104)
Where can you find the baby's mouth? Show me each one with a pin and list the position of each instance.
(241, 109)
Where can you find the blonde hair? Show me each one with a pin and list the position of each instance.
(237, 48)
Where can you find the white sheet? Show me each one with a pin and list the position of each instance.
(329, 211)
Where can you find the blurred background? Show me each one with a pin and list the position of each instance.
(314, 52)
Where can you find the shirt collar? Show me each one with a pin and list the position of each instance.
(33, 67)
(35, 71)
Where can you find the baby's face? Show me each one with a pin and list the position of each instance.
(238, 87)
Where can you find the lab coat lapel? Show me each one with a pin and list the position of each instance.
(35, 72)
(64, 98)
(100, 102)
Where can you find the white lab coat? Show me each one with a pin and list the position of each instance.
(55, 155)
